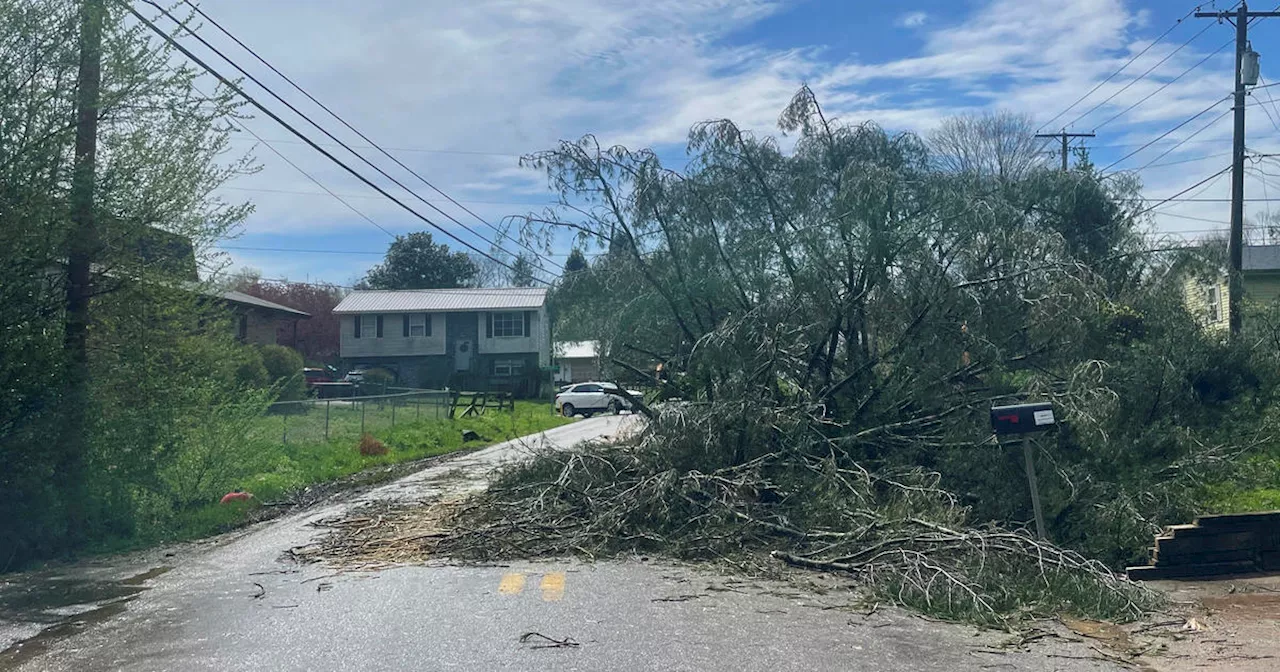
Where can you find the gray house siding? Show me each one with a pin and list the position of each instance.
(489, 362)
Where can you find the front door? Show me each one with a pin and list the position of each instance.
(462, 355)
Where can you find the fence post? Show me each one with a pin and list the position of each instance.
(393, 411)
(326, 419)
(417, 408)
(362, 405)
(285, 437)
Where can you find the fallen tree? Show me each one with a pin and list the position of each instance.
(836, 320)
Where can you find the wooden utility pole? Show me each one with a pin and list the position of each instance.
(82, 243)
(1066, 139)
(1240, 18)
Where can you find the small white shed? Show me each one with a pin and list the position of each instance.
(578, 361)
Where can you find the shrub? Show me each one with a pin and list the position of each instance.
(371, 447)
(376, 381)
(284, 368)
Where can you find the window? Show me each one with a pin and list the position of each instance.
(242, 328)
(592, 388)
(418, 325)
(508, 325)
(1213, 303)
(367, 326)
(508, 367)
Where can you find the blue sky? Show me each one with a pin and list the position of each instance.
(460, 90)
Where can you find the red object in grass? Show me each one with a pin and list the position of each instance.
(236, 497)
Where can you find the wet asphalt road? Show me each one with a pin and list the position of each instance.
(233, 604)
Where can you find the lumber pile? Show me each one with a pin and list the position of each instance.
(1237, 543)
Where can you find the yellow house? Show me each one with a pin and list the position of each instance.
(1207, 297)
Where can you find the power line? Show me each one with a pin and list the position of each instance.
(1153, 207)
(1202, 129)
(1164, 86)
(331, 136)
(1269, 100)
(309, 176)
(1122, 68)
(1143, 75)
(414, 150)
(366, 138)
(289, 127)
(366, 196)
(1166, 133)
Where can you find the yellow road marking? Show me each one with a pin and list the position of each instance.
(552, 586)
(511, 584)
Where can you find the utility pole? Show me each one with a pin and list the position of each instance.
(82, 241)
(1066, 138)
(1235, 244)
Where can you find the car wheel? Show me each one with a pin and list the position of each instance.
(614, 407)
(567, 410)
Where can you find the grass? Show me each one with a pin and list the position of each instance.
(282, 469)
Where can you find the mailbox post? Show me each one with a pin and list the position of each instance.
(1026, 419)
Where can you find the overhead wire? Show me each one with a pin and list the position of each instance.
(289, 127)
(311, 177)
(1139, 78)
(330, 135)
(1197, 184)
(1166, 134)
(1202, 129)
(362, 136)
(1164, 86)
(1122, 68)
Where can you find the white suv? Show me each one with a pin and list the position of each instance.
(588, 399)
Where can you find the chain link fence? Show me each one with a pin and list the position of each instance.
(317, 420)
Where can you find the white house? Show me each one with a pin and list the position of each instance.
(475, 339)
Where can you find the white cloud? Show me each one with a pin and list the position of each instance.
(506, 77)
(913, 19)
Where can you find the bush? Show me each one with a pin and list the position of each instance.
(250, 371)
(284, 368)
(376, 381)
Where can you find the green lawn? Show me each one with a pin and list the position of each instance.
(307, 459)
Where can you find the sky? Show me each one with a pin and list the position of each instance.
(458, 91)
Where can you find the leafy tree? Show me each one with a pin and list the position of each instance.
(316, 337)
(576, 262)
(522, 271)
(162, 154)
(415, 261)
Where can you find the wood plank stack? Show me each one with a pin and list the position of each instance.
(1237, 543)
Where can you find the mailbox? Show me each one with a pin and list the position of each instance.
(1022, 418)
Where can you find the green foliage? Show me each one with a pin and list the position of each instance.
(895, 289)
(155, 346)
(259, 463)
(284, 370)
(522, 271)
(415, 261)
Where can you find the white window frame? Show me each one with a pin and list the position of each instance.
(508, 368)
(1213, 303)
(417, 325)
(508, 325)
(368, 325)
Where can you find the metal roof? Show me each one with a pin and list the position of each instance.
(1260, 258)
(240, 297)
(577, 349)
(441, 300)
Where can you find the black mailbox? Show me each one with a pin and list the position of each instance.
(1022, 418)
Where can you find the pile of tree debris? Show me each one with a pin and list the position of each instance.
(803, 503)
